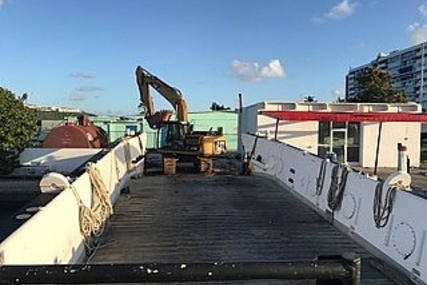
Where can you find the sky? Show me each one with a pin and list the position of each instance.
(83, 53)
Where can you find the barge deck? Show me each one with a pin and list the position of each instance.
(221, 218)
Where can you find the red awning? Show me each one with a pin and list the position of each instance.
(346, 116)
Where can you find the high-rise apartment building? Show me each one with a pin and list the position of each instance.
(407, 68)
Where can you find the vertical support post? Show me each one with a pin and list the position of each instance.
(276, 131)
(158, 139)
(420, 97)
(377, 152)
(402, 163)
(246, 170)
(240, 129)
(109, 131)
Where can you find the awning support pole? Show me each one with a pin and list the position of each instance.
(276, 132)
(377, 153)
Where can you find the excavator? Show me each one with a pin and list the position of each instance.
(178, 143)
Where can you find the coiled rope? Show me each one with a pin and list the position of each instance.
(383, 206)
(101, 202)
(337, 187)
(116, 166)
(87, 222)
(320, 180)
(126, 150)
(93, 219)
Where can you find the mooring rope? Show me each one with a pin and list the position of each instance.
(382, 208)
(101, 203)
(337, 187)
(87, 222)
(320, 180)
(93, 219)
(127, 153)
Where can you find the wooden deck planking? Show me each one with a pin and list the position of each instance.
(220, 218)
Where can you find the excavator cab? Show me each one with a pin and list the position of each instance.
(174, 134)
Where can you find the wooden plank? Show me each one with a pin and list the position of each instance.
(219, 218)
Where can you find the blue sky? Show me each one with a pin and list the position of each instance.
(81, 53)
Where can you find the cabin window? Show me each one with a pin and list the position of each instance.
(324, 135)
(342, 138)
(353, 142)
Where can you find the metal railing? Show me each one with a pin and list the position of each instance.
(343, 270)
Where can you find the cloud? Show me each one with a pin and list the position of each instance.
(318, 20)
(338, 93)
(89, 88)
(340, 11)
(418, 33)
(253, 71)
(82, 75)
(361, 44)
(423, 10)
(110, 112)
(76, 97)
(2, 2)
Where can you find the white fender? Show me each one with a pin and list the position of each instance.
(53, 182)
(400, 178)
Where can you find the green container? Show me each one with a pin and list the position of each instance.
(202, 121)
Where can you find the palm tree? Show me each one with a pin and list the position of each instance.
(309, 98)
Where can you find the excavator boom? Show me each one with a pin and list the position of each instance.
(171, 94)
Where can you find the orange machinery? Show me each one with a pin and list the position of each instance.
(83, 134)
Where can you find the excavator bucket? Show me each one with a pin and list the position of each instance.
(157, 120)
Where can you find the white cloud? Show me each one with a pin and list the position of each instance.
(318, 20)
(2, 3)
(76, 97)
(418, 33)
(339, 92)
(82, 74)
(253, 71)
(341, 11)
(89, 88)
(423, 10)
(361, 44)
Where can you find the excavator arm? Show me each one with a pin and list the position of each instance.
(172, 95)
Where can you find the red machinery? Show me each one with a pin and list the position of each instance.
(81, 135)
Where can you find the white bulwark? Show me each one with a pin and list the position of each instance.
(354, 143)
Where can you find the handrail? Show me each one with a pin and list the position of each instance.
(343, 269)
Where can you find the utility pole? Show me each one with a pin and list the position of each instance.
(420, 98)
